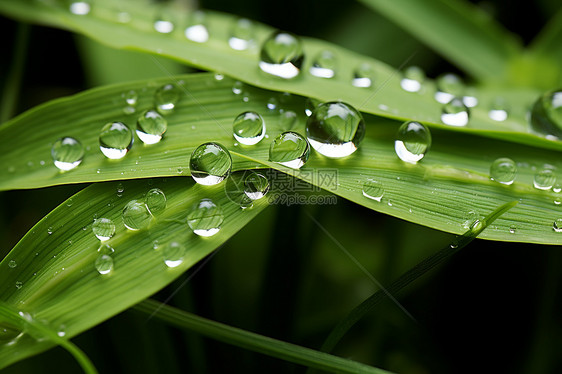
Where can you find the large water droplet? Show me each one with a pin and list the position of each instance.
(546, 115)
(151, 126)
(103, 228)
(498, 110)
(324, 65)
(205, 218)
(412, 141)
(374, 190)
(455, 113)
(67, 153)
(363, 75)
(80, 8)
(412, 79)
(503, 170)
(197, 31)
(281, 55)
(104, 264)
(249, 128)
(116, 139)
(242, 34)
(210, 163)
(136, 215)
(256, 185)
(155, 200)
(544, 178)
(173, 254)
(166, 98)
(290, 149)
(449, 86)
(557, 225)
(335, 129)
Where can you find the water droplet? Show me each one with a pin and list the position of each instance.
(256, 185)
(197, 32)
(272, 103)
(546, 115)
(512, 229)
(164, 22)
(106, 249)
(557, 188)
(449, 86)
(50, 231)
(205, 218)
(242, 35)
(503, 170)
(219, 77)
(544, 178)
(249, 128)
(324, 65)
(281, 55)
(9, 334)
(131, 97)
(310, 105)
(67, 153)
(412, 79)
(498, 110)
(19, 285)
(210, 164)
(287, 119)
(363, 75)
(80, 8)
(238, 88)
(173, 254)
(61, 331)
(116, 139)
(104, 264)
(166, 98)
(557, 225)
(477, 225)
(469, 218)
(335, 129)
(412, 141)
(12, 264)
(151, 126)
(136, 215)
(373, 190)
(455, 113)
(290, 149)
(103, 228)
(155, 200)
(234, 189)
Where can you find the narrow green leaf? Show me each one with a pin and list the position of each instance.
(50, 273)
(458, 30)
(254, 342)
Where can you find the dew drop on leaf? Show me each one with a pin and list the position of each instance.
(210, 163)
(282, 55)
(289, 149)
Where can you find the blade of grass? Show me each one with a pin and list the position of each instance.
(252, 341)
(411, 275)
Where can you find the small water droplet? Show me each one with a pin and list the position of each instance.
(469, 218)
(503, 170)
(544, 178)
(19, 285)
(449, 86)
(324, 65)
(241, 35)
(130, 97)
(310, 105)
(290, 149)
(238, 88)
(67, 153)
(197, 31)
(50, 231)
(61, 331)
(80, 8)
(219, 77)
(335, 129)
(287, 119)
(136, 215)
(12, 264)
(412, 79)
(210, 163)
(249, 128)
(166, 98)
(455, 113)
(512, 229)
(256, 185)
(281, 55)
(546, 115)
(104, 264)
(116, 139)
(413, 140)
(373, 190)
(155, 201)
(151, 126)
(106, 249)
(173, 254)
(205, 218)
(557, 225)
(498, 110)
(363, 75)
(272, 103)
(557, 188)
(477, 225)
(103, 228)
(164, 22)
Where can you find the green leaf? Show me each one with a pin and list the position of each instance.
(254, 342)
(55, 261)
(461, 32)
(452, 180)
